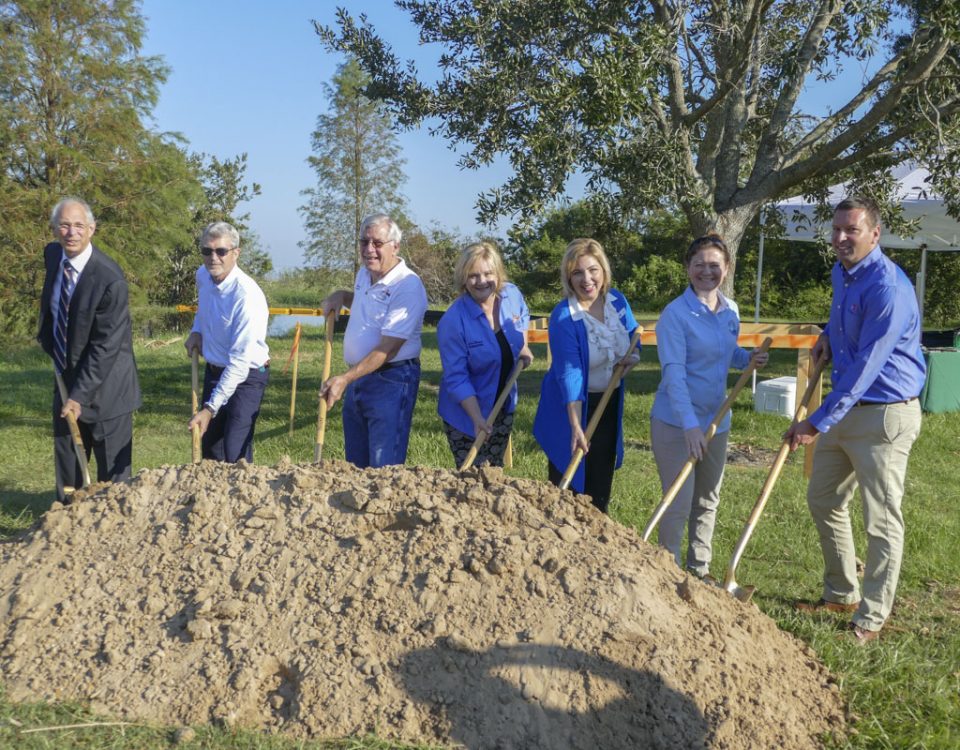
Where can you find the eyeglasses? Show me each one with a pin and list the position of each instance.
(365, 242)
(64, 228)
(220, 251)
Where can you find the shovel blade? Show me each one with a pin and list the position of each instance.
(743, 593)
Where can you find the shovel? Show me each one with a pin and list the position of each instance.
(614, 383)
(322, 415)
(743, 593)
(494, 412)
(74, 432)
(195, 401)
(674, 489)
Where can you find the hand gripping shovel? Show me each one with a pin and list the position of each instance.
(494, 412)
(614, 383)
(195, 402)
(674, 489)
(743, 593)
(74, 433)
(322, 415)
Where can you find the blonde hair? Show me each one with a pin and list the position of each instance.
(475, 252)
(576, 250)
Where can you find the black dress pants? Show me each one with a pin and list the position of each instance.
(110, 441)
(601, 461)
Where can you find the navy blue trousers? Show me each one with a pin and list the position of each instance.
(230, 434)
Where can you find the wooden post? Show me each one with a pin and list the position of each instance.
(295, 354)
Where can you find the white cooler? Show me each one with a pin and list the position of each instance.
(777, 396)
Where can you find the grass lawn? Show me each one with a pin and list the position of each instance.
(904, 689)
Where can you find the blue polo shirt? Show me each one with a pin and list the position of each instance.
(471, 356)
(874, 333)
(696, 347)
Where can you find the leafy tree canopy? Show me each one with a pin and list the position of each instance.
(692, 105)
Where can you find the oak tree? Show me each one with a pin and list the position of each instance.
(690, 104)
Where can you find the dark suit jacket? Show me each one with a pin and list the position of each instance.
(101, 373)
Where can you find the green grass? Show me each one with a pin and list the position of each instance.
(904, 689)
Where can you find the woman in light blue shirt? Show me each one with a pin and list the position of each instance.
(480, 336)
(696, 344)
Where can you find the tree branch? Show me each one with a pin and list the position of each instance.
(675, 87)
(793, 84)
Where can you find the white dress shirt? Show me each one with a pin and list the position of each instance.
(607, 340)
(232, 319)
(78, 263)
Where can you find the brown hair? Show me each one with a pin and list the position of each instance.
(868, 205)
(708, 240)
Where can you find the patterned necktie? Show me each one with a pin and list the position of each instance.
(63, 309)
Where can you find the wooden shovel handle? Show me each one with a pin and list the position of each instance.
(614, 383)
(774, 474)
(494, 412)
(322, 414)
(674, 489)
(74, 432)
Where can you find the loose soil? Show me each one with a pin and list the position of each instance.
(321, 600)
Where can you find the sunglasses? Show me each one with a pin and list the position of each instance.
(220, 251)
(376, 243)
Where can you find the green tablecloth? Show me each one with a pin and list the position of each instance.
(942, 389)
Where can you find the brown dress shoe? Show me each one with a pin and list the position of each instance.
(822, 605)
(862, 635)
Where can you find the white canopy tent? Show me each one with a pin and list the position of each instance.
(937, 232)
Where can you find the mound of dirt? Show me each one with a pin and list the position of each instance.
(321, 600)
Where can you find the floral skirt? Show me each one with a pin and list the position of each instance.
(493, 447)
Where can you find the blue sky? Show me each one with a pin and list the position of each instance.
(247, 77)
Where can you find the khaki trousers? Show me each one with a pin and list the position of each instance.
(695, 506)
(869, 447)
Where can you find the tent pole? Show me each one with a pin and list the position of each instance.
(921, 283)
(756, 300)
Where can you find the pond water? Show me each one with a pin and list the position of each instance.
(282, 325)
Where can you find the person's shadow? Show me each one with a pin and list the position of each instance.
(533, 696)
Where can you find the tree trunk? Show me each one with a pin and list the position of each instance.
(731, 225)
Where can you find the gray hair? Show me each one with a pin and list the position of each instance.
(63, 203)
(221, 229)
(374, 220)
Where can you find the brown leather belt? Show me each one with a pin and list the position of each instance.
(885, 403)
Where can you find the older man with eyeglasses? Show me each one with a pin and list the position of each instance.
(230, 330)
(85, 328)
(381, 348)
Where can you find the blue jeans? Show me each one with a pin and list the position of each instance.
(377, 414)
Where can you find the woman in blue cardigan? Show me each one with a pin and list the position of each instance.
(590, 333)
(696, 343)
(480, 336)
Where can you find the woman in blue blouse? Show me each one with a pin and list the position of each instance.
(590, 333)
(696, 344)
(480, 337)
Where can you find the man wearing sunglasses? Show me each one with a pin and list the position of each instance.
(230, 330)
(381, 348)
(85, 327)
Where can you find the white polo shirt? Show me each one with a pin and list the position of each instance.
(394, 306)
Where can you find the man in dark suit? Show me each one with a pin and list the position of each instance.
(85, 328)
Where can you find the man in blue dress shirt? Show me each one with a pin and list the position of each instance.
(230, 330)
(868, 423)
